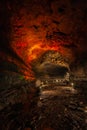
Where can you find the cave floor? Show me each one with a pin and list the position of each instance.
(25, 107)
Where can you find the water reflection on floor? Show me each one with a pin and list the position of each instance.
(47, 108)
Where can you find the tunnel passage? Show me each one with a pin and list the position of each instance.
(52, 63)
(51, 69)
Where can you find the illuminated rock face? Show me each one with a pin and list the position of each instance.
(31, 28)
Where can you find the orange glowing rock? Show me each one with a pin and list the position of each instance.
(36, 50)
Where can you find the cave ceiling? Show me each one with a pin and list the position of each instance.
(30, 28)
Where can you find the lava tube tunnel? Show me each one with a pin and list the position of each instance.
(43, 65)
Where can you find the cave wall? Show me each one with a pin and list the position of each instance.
(29, 28)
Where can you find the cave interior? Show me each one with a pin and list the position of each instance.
(43, 65)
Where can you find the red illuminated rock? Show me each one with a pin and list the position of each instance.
(31, 28)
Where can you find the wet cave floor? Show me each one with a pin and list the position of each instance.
(23, 106)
